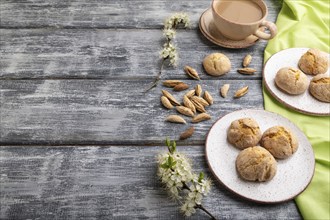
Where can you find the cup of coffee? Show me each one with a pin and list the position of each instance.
(238, 19)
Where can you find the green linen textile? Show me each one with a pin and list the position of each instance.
(305, 23)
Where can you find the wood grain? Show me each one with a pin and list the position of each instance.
(102, 13)
(109, 54)
(105, 112)
(108, 183)
(72, 73)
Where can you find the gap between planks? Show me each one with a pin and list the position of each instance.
(41, 144)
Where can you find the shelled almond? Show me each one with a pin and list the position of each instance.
(201, 117)
(187, 133)
(247, 71)
(208, 97)
(191, 72)
(166, 103)
(171, 83)
(241, 92)
(247, 60)
(185, 111)
(176, 119)
(170, 97)
(180, 87)
(224, 90)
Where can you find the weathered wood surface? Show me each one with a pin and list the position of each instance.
(108, 183)
(102, 13)
(105, 112)
(109, 54)
(72, 73)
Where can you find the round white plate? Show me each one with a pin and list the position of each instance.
(293, 174)
(305, 102)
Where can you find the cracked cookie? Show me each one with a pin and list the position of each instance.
(256, 164)
(319, 87)
(279, 141)
(314, 62)
(291, 80)
(244, 133)
(216, 64)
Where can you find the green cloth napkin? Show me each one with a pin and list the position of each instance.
(305, 23)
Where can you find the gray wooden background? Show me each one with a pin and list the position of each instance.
(78, 137)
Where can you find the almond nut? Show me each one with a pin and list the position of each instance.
(241, 92)
(224, 90)
(185, 111)
(247, 71)
(166, 103)
(187, 133)
(200, 100)
(247, 60)
(171, 83)
(189, 104)
(170, 97)
(199, 107)
(190, 93)
(191, 72)
(201, 117)
(198, 90)
(208, 97)
(175, 119)
(181, 87)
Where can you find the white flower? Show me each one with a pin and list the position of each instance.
(169, 51)
(204, 186)
(174, 60)
(173, 178)
(168, 24)
(175, 171)
(188, 208)
(169, 33)
(174, 191)
(195, 197)
(177, 19)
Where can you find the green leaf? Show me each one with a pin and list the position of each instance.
(168, 142)
(164, 166)
(173, 164)
(173, 146)
(170, 160)
(201, 177)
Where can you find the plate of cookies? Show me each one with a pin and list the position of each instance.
(260, 156)
(299, 79)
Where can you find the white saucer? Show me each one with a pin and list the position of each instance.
(208, 29)
(304, 103)
(293, 174)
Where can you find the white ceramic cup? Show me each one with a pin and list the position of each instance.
(241, 30)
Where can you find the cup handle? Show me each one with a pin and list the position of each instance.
(272, 29)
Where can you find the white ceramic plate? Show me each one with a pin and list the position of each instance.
(293, 174)
(305, 102)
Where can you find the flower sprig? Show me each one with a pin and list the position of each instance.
(169, 51)
(185, 186)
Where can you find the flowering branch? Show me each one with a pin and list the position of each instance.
(188, 188)
(169, 50)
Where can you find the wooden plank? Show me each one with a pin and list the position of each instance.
(105, 112)
(108, 183)
(102, 13)
(109, 54)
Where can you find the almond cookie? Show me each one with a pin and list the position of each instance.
(244, 133)
(319, 87)
(291, 80)
(314, 62)
(256, 164)
(279, 141)
(216, 64)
